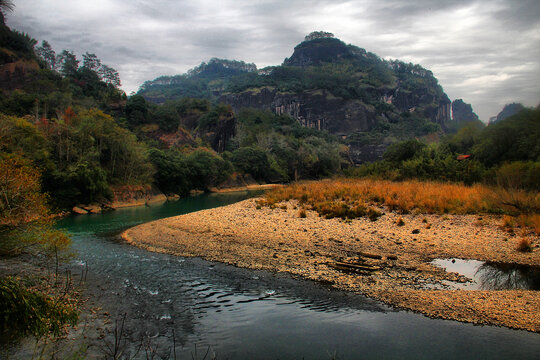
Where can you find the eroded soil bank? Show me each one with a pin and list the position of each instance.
(380, 259)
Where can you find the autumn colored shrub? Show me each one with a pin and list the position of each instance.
(25, 219)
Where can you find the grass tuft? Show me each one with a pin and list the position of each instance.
(524, 245)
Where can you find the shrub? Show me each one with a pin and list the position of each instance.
(519, 175)
(352, 198)
(524, 245)
(373, 214)
(26, 312)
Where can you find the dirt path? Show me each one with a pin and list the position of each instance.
(346, 254)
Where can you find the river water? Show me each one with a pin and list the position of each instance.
(195, 306)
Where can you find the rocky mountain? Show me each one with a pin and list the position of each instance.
(462, 112)
(507, 111)
(327, 85)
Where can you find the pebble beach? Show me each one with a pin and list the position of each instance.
(388, 259)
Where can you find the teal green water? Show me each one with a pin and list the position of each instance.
(115, 221)
(246, 314)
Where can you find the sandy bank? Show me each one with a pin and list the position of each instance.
(313, 248)
(245, 188)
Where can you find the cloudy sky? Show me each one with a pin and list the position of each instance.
(486, 52)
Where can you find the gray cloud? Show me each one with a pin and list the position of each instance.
(484, 51)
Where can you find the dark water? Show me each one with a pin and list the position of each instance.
(492, 275)
(246, 314)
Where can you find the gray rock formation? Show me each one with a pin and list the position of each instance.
(508, 110)
(462, 112)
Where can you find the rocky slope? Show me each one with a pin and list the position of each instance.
(327, 85)
(462, 112)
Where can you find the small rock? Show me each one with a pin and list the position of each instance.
(416, 231)
(78, 210)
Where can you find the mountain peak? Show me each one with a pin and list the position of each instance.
(318, 47)
(318, 35)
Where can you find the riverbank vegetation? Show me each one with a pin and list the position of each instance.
(505, 154)
(35, 304)
(34, 308)
(353, 198)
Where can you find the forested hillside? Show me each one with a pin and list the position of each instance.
(327, 85)
(87, 138)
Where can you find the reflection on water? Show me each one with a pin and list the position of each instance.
(501, 276)
(246, 314)
(492, 275)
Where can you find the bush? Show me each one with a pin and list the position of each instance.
(524, 245)
(25, 312)
(402, 151)
(251, 160)
(519, 175)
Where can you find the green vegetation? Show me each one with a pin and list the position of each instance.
(202, 81)
(26, 226)
(322, 62)
(69, 118)
(25, 219)
(506, 154)
(25, 311)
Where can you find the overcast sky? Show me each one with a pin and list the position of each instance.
(486, 52)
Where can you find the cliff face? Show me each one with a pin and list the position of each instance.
(462, 112)
(436, 108)
(316, 109)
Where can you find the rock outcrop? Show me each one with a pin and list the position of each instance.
(462, 112)
(507, 111)
(317, 109)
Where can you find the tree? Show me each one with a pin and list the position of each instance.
(91, 62)
(318, 35)
(5, 7)
(136, 110)
(110, 75)
(252, 161)
(25, 220)
(207, 169)
(403, 151)
(46, 52)
(173, 175)
(68, 63)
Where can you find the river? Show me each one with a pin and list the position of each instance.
(244, 314)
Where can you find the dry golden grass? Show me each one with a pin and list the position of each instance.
(350, 198)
